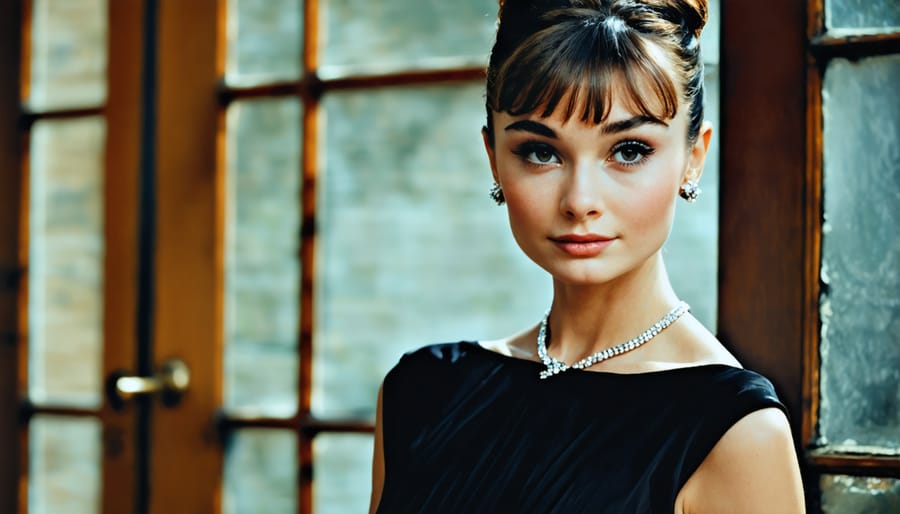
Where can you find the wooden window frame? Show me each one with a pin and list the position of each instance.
(309, 89)
(15, 181)
(119, 306)
(774, 55)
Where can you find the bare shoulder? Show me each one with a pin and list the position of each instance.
(752, 469)
(689, 343)
(706, 345)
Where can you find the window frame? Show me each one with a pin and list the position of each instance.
(310, 88)
(772, 158)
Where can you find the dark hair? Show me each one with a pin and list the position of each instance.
(548, 48)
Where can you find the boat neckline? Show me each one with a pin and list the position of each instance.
(678, 369)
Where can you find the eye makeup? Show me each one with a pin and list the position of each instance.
(631, 152)
(536, 153)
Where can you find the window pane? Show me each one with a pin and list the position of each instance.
(260, 472)
(411, 250)
(362, 36)
(68, 54)
(709, 39)
(64, 468)
(862, 14)
(343, 473)
(843, 494)
(262, 280)
(860, 309)
(65, 274)
(265, 41)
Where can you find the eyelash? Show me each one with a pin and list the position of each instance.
(526, 149)
(642, 148)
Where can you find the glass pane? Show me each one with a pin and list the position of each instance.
(862, 14)
(64, 465)
(692, 251)
(363, 37)
(859, 307)
(411, 250)
(260, 472)
(262, 280)
(65, 274)
(265, 41)
(709, 39)
(68, 54)
(343, 473)
(844, 494)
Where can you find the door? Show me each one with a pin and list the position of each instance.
(118, 252)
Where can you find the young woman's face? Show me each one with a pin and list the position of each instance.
(590, 203)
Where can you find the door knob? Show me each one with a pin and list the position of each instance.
(169, 383)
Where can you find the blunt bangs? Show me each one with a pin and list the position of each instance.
(585, 59)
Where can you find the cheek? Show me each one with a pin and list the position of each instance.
(526, 205)
(649, 206)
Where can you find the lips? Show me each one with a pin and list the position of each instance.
(582, 245)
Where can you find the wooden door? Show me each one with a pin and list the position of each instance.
(115, 174)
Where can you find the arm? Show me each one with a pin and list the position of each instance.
(378, 459)
(753, 469)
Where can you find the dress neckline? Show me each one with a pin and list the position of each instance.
(539, 365)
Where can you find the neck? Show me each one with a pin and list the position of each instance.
(590, 318)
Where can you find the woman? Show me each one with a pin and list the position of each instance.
(619, 400)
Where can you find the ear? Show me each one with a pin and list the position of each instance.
(697, 156)
(489, 148)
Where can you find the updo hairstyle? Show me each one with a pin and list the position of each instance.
(546, 48)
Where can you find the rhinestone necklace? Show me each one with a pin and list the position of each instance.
(555, 366)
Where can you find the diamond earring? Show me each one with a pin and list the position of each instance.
(496, 194)
(690, 191)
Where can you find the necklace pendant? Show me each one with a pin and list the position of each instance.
(550, 371)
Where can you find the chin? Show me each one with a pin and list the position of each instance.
(584, 272)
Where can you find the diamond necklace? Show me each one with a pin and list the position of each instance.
(555, 366)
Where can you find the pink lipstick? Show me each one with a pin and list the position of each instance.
(582, 245)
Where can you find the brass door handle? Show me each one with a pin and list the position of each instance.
(170, 383)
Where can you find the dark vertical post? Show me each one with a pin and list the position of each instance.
(309, 173)
(146, 252)
(10, 206)
(763, 189)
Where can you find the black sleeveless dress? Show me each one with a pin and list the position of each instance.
(468, 430)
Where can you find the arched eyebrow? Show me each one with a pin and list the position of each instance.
(532, 126)
(630, 123)
(540, 129)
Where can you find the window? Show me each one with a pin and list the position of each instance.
(809, 198)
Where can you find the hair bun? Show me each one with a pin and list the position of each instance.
(693, 13)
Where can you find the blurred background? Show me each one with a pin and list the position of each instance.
(289, 195)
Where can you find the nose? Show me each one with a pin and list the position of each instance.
(581, 196)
